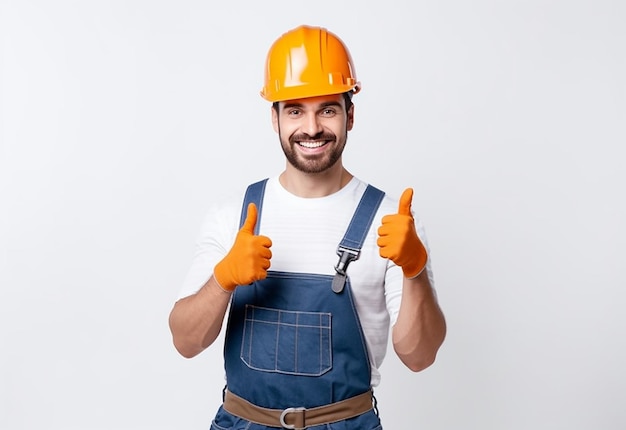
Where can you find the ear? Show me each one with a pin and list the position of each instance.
(274, 119)
(350, 120)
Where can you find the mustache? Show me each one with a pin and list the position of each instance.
(319, 136)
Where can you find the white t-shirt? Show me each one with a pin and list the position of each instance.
(305, 233)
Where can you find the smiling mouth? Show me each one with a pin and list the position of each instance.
(312, 144)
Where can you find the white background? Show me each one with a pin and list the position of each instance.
(123, 120)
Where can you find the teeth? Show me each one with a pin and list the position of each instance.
(311, 144)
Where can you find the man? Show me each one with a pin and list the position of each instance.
(311, 266)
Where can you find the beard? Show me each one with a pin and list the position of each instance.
(313, 163)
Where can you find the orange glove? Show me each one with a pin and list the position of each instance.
(248, 259)
(398, 240)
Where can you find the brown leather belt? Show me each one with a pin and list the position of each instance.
(296, 417)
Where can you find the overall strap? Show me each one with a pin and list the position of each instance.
(349, 248)
(254, 194)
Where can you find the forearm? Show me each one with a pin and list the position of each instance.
(420, 328)
(196, 321)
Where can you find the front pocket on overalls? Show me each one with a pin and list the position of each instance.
(290, 342)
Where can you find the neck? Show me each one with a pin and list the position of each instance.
(312, 185)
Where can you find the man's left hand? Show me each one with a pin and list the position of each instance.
(398, 240)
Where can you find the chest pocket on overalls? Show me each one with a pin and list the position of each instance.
(290, 342)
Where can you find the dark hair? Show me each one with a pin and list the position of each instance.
(347, 96)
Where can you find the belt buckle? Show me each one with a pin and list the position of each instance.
(291, 411)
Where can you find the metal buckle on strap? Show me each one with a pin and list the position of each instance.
(346, 255)
(292, 411)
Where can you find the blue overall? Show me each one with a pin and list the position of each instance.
(294, 339)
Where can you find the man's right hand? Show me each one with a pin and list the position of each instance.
(248, 259)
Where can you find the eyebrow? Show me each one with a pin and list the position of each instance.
(321, 106)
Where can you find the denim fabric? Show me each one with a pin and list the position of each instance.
(291, 341)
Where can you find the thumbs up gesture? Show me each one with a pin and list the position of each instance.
(398, 240)
(248, 259)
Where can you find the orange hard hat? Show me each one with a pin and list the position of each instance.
(308, 62)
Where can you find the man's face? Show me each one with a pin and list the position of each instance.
(313, 131)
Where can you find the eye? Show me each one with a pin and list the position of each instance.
(328, 112)
(294, 112)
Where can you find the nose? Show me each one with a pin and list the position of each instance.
(311, 124)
